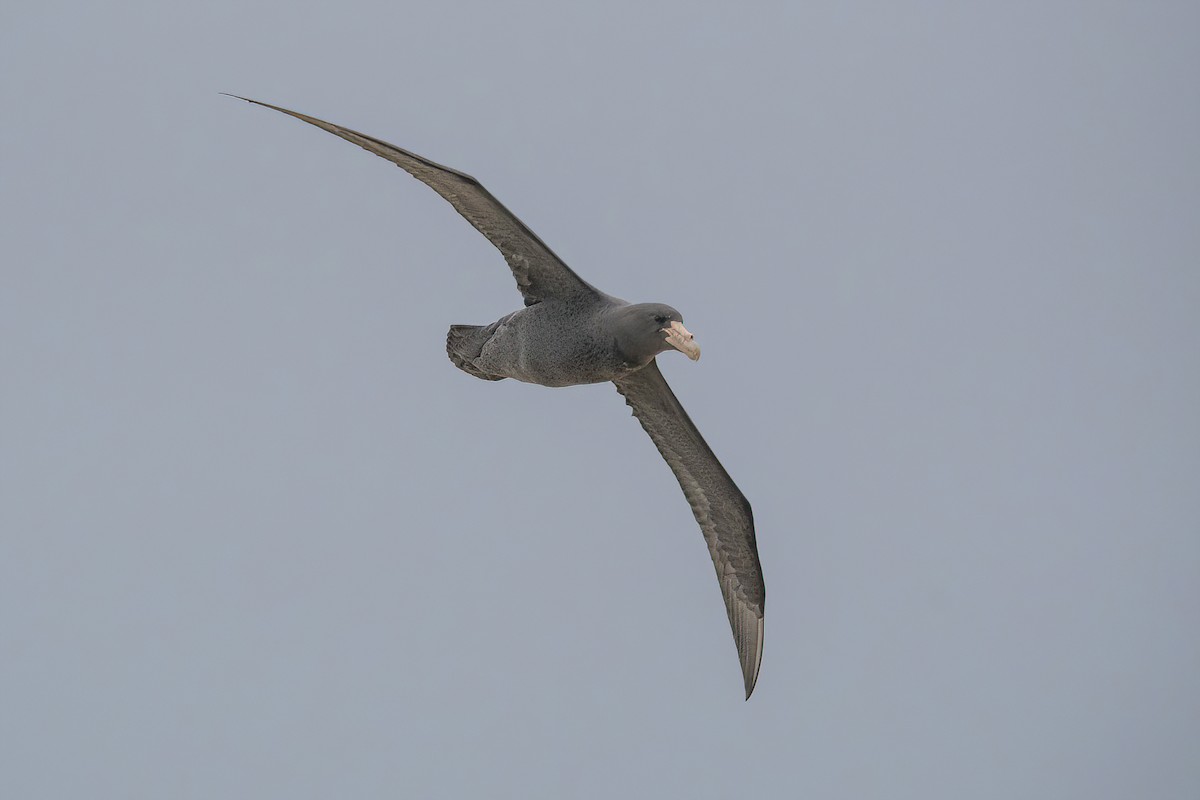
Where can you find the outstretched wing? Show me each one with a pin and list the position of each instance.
(721, 509)
(540, 274)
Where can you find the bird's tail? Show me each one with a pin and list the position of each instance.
(464, 343)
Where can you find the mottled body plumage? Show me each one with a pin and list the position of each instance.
(556, 344)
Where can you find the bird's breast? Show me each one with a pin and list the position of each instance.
(539, 346)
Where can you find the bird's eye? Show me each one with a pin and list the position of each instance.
(660, 319)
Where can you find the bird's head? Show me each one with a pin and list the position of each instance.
(646, 329)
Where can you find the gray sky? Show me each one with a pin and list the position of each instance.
(259, 538)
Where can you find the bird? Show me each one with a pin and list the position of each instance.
(571, 333)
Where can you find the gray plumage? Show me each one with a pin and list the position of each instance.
(572, 333)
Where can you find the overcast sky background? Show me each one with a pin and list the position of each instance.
(260, 539)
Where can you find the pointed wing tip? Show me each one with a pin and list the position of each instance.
(290, 113)
(750, 667)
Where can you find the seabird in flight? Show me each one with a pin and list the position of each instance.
(570, 332)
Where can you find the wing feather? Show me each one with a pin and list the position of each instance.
(722, 511)
(539, 273)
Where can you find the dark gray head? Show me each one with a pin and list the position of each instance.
(644, 330)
